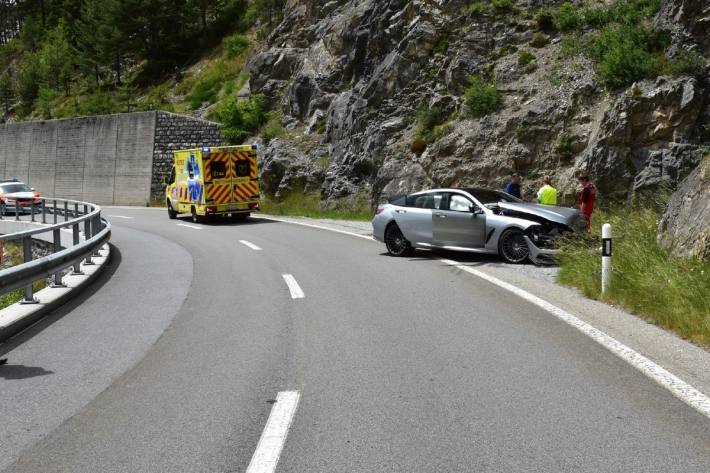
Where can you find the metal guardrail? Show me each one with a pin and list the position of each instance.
(68, 214)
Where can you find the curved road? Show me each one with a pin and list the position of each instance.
(174, 360)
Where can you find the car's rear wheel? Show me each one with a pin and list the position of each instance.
(172, 214)
(396, 244)
(195, 218)
(512, 246)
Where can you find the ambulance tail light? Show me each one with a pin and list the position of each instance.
(254, 206)
(211, 209)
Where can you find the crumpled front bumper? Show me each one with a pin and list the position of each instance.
(541, 256)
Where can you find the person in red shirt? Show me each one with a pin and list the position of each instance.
(587, 197)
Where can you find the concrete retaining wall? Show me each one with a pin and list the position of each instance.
(111, 159)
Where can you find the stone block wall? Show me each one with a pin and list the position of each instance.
(175, 132)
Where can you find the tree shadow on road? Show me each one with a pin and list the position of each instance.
(22, 371)
(67, 307)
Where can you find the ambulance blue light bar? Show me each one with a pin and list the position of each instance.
(205, 150)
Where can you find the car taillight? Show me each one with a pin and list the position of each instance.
(211, 209)
(254, 206)
(379, 210)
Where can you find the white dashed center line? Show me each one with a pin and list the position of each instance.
(296, 291)
(274, 435)
(121, 216)
(194, 227)
(250, 245)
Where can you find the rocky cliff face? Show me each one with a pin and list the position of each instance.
(350, 76)
(685, 228)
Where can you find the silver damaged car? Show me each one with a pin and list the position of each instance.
(474, 220)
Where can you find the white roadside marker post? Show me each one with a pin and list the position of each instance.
(606, 256)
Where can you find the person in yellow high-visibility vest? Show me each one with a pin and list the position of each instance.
(547, 194)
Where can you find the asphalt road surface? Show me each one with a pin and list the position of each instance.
(172, 363)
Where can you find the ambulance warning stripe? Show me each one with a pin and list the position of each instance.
(245, 191)
(220, 194)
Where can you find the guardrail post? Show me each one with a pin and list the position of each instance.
(54, 210)
(75, 233)
(87, 237)
(76, 210)
(606, 256)
(32, 210)
(2, 209)
(66, 211)
(44, 210)
(95, 229)
(17, 210)
(57, 277)
(27, 257)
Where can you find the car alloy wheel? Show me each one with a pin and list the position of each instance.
(513, 248)
(397, 245)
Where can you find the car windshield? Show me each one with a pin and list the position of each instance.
(487, 196)
(12, 188)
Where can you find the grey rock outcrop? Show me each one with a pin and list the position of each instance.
(350, 76)
(685, 227)
(643, 141)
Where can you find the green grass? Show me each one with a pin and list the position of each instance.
(671, 292)
(310, 205)
(14, 252)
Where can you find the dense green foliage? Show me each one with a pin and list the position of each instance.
(671, 292)
(623, 42)
(482, 97)
(566, 17)
(101, 50)
(241, 117)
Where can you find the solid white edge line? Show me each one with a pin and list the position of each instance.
(120, 216)
(321, 227)
(293, 287)
(268, 450)
(679, 388)
(194, 227)
(250, 245)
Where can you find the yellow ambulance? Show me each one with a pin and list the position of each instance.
(206, 182)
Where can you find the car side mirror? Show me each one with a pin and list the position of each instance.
(165, 180)
(32, 189)
(475, 210)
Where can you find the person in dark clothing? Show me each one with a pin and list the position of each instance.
(587, 198)
(513, 186)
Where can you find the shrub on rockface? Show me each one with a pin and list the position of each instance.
(525, 58)
(482, 97)
(241, 118)
(567, 18)
(625, 54)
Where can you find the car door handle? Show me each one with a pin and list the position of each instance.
(401, 211)
(441, 215)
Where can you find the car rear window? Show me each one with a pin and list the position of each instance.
(11, 188)
(398, 200)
